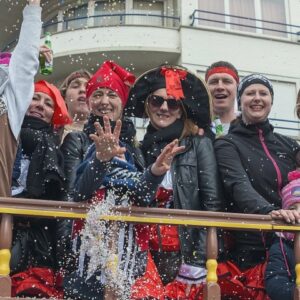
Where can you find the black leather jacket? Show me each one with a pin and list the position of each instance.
(74, 148)
(196, 186)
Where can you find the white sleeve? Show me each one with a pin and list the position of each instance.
(23, 67)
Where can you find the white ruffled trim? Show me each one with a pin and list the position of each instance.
(191, 274)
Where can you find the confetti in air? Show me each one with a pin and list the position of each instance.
(105, 245)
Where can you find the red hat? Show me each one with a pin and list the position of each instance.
(60, 115)
(111, 76)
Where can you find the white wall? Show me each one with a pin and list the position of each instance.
(284, 107)
(277, 59)
(248, 53)
(116, 38)
(294, 11)
(197, 48)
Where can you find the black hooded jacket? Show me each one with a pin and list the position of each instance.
(254, 163)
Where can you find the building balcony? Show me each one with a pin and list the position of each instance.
(85, 42)
(112, 19)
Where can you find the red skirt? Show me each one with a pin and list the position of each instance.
(37, 282)
(150, 286)
(177, 290)
(245, 285)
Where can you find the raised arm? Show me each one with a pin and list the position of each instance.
(23, 66)
(108, 160)
(34, 2)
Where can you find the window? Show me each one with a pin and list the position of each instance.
(50, 25)
(265, 10)
(146, 9)
(75, 17)
(274, 10)
(242, 8)
(106, 12)
(216, 6)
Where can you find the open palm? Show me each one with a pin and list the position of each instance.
(106, 141)
(164, 160)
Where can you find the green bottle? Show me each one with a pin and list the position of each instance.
(46, 68)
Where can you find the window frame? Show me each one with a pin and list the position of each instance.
(258, 17)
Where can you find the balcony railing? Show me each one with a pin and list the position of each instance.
(287, 127)
(246, 23)
(211, 220)
(106, 20)
(115, 19)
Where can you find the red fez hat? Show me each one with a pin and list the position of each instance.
(61, 115)
(111, 76)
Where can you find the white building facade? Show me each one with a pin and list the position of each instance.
(255, 35)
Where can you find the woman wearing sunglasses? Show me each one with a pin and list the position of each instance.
(176, 101)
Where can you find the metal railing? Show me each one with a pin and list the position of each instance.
(194, 17)
(211, 220)
(116, 19)
(286, 127)
(106, 20)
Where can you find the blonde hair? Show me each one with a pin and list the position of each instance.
(190, 128)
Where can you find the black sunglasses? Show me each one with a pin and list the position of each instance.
(157, 101)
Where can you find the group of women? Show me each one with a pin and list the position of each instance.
(250, 168)
(174, 166)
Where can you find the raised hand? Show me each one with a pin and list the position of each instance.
(106, 141)
(47, 52)
(164, 160)
(34, 2)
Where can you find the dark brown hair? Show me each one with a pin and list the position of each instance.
(76, 74)
(222, 63)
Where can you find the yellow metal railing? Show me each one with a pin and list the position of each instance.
(211, 220)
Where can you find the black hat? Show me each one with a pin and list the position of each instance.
(252, 79)
(195, 96)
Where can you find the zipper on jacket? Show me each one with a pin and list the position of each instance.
(279, 176)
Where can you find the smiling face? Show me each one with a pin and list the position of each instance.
(105, 102)
(75, 98)
(42, 107)
(163, 116)
(256, 103)
(223, 88)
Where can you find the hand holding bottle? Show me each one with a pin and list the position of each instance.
(47, 53)
(34, 2)
(46, 56)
